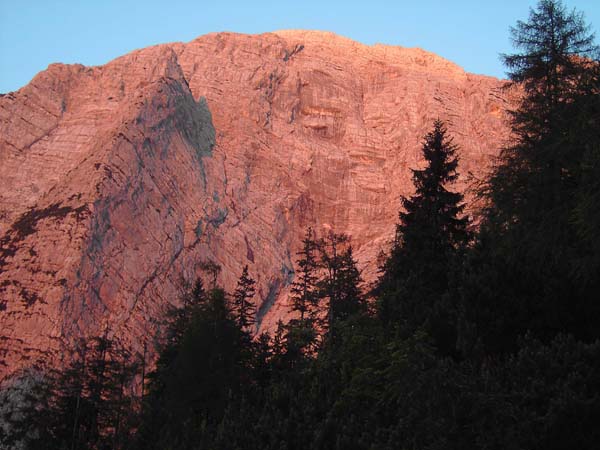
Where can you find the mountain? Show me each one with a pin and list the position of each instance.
(117, 182)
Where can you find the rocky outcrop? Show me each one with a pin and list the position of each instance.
(118, 181)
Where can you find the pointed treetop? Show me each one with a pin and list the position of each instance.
(243, 307)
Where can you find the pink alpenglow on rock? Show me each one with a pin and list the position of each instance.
(117, 182)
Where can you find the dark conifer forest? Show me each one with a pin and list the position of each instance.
(480, 333)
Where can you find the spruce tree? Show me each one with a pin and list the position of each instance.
(340, 287)
(299, 335)
(261, 360)
(352, 300)
(243, 308)
(429, 234)
(330, 250)
(304, 296)
(430, 225)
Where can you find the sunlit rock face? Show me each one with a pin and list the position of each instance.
(118, 181)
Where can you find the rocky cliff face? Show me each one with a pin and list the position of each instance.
(118, 181)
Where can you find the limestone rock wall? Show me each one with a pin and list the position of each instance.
(117, 181)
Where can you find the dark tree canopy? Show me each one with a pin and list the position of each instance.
(530, 233)
(555, 68)
(87, 404)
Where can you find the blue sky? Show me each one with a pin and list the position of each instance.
(35, 33)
